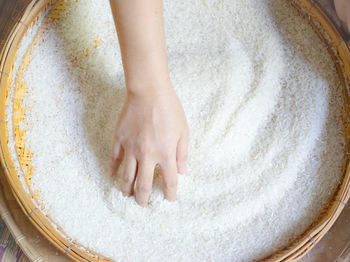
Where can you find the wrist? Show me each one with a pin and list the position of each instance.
(147, 69)
(148, 84)
(149, 87)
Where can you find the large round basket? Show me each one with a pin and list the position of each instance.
(29, 200)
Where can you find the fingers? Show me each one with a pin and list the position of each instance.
(116, 158)
(130, 166)
(169, 171)
(181, 154)
(145, 170)
(141, 172)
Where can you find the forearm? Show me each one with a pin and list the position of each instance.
(140, 27)
(343, 10)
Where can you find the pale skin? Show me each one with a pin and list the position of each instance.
(343, 10)
(152, 128)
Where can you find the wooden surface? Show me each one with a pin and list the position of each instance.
(45, 251)
(10, 12)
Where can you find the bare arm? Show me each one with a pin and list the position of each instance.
(343, 10)
(141, 36)
(152, 127)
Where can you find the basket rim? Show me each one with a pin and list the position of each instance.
(295, 250)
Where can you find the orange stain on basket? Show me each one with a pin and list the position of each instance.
(23, 153)
(35, 195)
(86, 52)
(96, 44)
(58, 8)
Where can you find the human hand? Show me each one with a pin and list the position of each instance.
(343, 10)
(152, 129)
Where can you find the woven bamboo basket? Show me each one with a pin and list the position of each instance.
(29, 200)
(19, 237)
(33, 244)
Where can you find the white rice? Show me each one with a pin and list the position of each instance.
(263, 103)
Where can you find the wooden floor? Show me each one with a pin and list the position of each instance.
(10, 12)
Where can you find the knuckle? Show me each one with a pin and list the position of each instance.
(143, 188)
(167, 156)
(127, 180)
(170, 183)
(145, 149)
(116, 137)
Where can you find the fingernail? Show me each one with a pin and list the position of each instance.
(170, 199)
(142, 203)
(126, 194)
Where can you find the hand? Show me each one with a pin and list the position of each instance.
(152, 129)
(343, 11)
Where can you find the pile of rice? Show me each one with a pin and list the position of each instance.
(263, 103)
